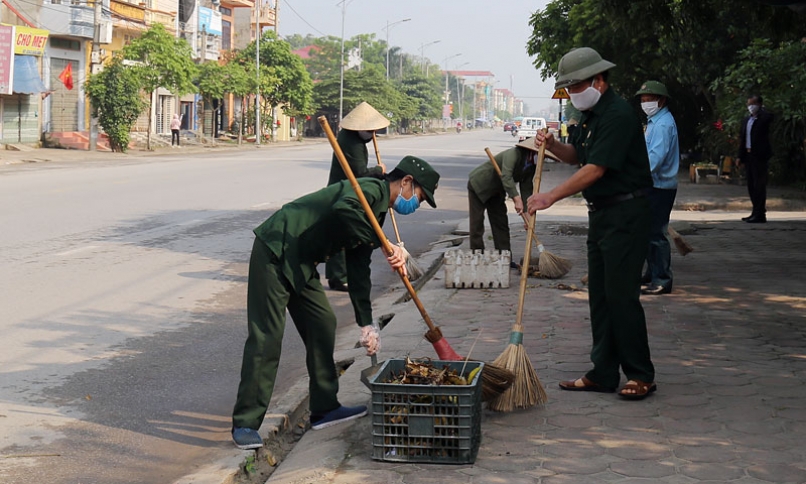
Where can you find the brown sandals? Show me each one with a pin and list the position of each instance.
(638, 390)
(587, 386)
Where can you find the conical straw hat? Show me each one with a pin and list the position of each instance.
(364, 118)
(529, 144)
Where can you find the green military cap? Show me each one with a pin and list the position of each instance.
(423, 174)
(579, 65)
(653, 87)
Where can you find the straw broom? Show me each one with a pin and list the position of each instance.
(494, 379)
(527, 391)
(549, 265)
(680, 243)
(412, 268)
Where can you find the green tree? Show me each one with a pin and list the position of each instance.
(426, 97)
(240, 83)
(296, 41)
(283, 78)
(687, 45)
(162, 60)
(774, 71)
(116, 100)
(368, 85)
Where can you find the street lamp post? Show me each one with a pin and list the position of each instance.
(389, 26)
(460, 93)
(258, 130)
(447, 91)
(422, 54)
(341, 77)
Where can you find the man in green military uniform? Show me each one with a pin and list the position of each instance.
(487, 191)
(615, 180)
(283, 275)
(356, 131)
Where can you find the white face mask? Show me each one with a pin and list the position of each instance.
(650, 108)
(753, 108)
(586, 99)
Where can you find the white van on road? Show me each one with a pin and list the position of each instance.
(529, 127)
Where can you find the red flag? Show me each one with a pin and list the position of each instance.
(67, 76)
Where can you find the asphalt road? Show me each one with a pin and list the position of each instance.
(122, 291)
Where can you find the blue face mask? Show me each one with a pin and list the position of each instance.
(406, 206)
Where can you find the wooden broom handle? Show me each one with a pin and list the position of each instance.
(387, 247)
(541, 154)
(498, 170)
(391, 212)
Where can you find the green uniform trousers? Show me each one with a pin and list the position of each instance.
(268, 296)
(618, 239)
(496, 208)
(336, 268)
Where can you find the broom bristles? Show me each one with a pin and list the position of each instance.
(495, 380)
(552, 266)
(526, 391)
(413, 270)
(680, 243)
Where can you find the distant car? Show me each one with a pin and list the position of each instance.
(510, 126)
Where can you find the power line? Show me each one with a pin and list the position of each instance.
(288, 4)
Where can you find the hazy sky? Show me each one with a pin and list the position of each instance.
(491, 35)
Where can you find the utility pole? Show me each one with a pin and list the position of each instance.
(94, 62)
(341, 75)
(277, 18)
(258, 130)
(388, 26)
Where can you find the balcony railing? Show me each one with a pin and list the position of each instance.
(267, 16)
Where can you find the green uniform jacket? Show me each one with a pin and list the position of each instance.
(312, 228)
(610, 135)
(355, 151)
(486, 182)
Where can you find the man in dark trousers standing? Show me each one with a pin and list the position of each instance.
(356, 131)
(615, 180)
(755, 152)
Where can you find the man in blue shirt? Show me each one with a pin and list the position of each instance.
(664, 160)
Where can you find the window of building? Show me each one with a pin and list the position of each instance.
(66, 44)
(225, 11)
(226, 35)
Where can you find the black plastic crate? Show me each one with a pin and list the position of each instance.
(426, 423)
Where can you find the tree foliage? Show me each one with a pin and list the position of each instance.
(283, 80)
(162, 60)
(116, 100)
(688, 45)
(776, 71)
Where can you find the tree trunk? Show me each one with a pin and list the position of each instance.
(243, 118)
(148, 131)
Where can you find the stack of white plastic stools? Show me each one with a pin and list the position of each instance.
(466, 269)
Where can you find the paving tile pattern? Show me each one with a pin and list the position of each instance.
(729, 346)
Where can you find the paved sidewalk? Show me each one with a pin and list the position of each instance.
(729, 347)
(44, 155)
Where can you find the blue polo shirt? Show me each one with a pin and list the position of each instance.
(663, 149)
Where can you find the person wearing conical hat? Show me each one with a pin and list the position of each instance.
(486, 191)
(356, 131)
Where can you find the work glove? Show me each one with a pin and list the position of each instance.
(371, 338)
